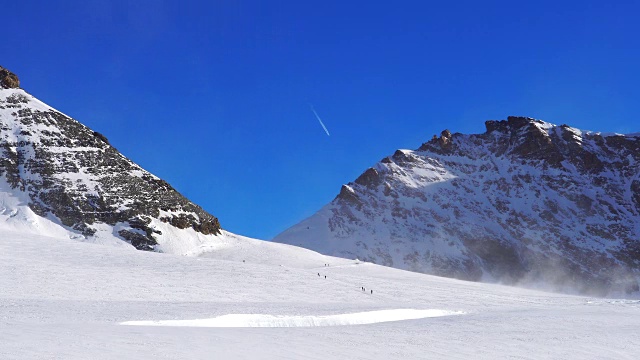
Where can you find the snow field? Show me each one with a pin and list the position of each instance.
(64, 299)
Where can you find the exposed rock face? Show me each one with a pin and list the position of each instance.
(74, 174)
(524, 202)
(8, 80)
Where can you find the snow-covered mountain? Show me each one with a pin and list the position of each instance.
(525, 202)
(59, 177)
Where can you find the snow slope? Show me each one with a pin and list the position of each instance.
(64, 299)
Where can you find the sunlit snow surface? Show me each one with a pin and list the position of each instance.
(64, 299)
(262, 320)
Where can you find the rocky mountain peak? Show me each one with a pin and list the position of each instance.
(8, 80)
(513, 123)
(72, 175)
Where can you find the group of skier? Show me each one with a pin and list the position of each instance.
(362, 287)
(365, 290)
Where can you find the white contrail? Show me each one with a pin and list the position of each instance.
(318, 117)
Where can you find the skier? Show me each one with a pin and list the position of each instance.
(371, 292)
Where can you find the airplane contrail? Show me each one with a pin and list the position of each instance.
(318, 117)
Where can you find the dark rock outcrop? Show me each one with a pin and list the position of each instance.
(8, 80)
(368, 178)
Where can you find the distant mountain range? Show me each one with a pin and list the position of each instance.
(58, 175)
(526, 202)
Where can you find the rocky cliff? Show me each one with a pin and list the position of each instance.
(526, 202)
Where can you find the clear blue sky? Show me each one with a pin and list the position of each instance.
(213, 95)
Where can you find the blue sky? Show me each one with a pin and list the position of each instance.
(213, 96)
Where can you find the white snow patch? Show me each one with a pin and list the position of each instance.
(261, 320)
(17, 216)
